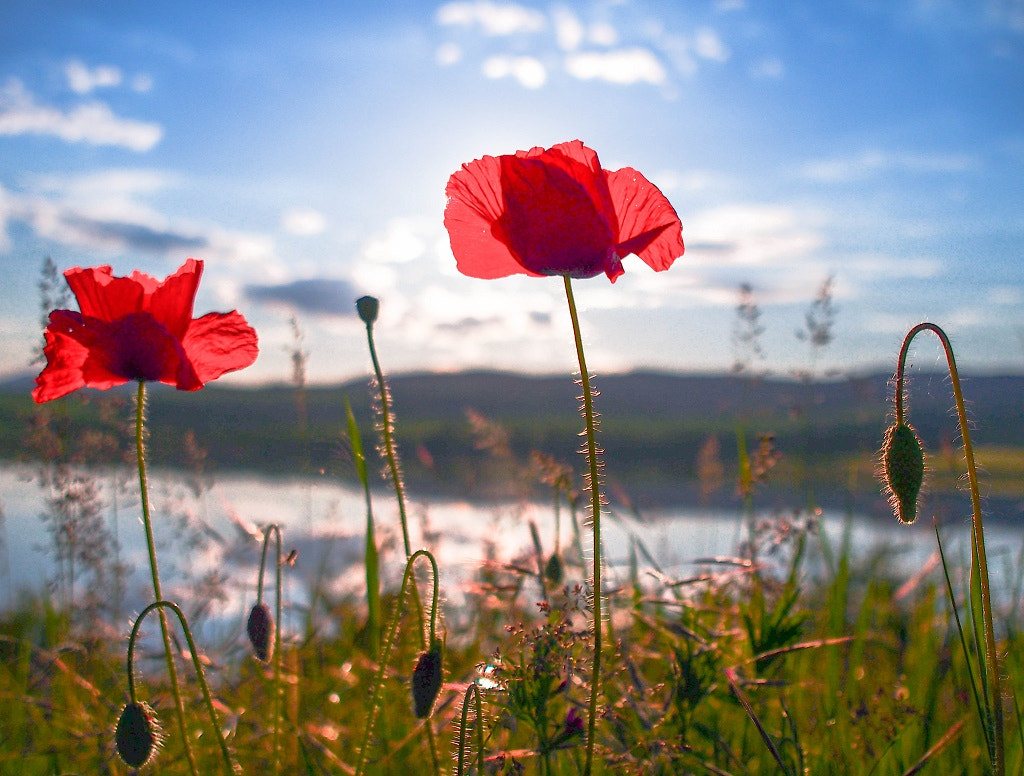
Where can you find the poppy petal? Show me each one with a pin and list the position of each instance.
(219, 343)
(581, 164)
(171, 302)
(550, 220)
(103, 296)
(475, 204)
(648, 224)
(134, 347)
(63, 372)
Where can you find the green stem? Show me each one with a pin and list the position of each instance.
(387, 432)
(230, 765)
(991, 678)
(276, 529)
(389, 642)
(460, 770)
(593, 478)
(172, 671)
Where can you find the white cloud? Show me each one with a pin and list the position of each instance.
(749, 234)
(93, 122)
(868, 162)
(770, 67)
(142, 83)
(602, 34)
(1001, 296)
(447, 54)
(492, 18)
(83, 80)
(303, 221)
(568, 28)
(530, 72)
(402, 242)
(708, 45)
(621, 66)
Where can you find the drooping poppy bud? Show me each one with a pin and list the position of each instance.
(261, 631)
(368, 307)
(137, 735)
(903, 470)
(426, 680)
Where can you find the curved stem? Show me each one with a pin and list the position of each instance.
(389, 643)
(595, 509)
(991, 679)
(232, 767)
(387, 432)
(276, 529)
(473, 690)
(172, 671)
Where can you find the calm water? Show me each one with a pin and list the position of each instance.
(325, 522)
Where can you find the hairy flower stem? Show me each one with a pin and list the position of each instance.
(595, 509)
(172, 671)
(229, 764)
(389, 643)
(991, 683)
(387, 434)
(276, 529)
(460, 766)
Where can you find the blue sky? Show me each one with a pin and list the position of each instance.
(303, 150)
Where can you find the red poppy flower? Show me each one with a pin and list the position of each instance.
(556, 212)
(136, 328)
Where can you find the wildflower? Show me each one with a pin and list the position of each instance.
(556, 212)
(138, 328)
(137, 735)
(903, 470)
(426, 680)
(260, 628)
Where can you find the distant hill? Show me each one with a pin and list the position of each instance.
(655, 426)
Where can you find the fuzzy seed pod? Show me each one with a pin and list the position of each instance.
(137, 735)
(367, 307)
(426, 680)
(903, 470)
(261, 632)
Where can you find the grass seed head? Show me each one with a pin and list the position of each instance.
(554, 570)
(261, 631)
(138, 735)
(903, 470)
(426, 680)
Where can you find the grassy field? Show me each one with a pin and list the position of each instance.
(795, 655)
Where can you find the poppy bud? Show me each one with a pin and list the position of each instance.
(553, 570)
(903, 470)
(137, 735)
(426, 681)
(261, 631)
(367, 307)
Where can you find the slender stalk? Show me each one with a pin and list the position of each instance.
(990, 677)
(172, 671)
(593, 478)
(276, 529)
(387, 433)
(460, 767)
(389, 643)
(231, 767)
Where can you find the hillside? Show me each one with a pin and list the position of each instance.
(654, 427)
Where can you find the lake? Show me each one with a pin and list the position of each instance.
(214, 527)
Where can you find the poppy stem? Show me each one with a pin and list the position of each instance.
(172, 671)
(991, 683)
(276, 529)
(593, 483)
(229, 764)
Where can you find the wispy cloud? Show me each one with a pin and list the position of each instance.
(93, 123)
(303, 222)
(872, 161)
(492, 18)
(620, 66)
(83, 79)
(528, 71)
(317, 296)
